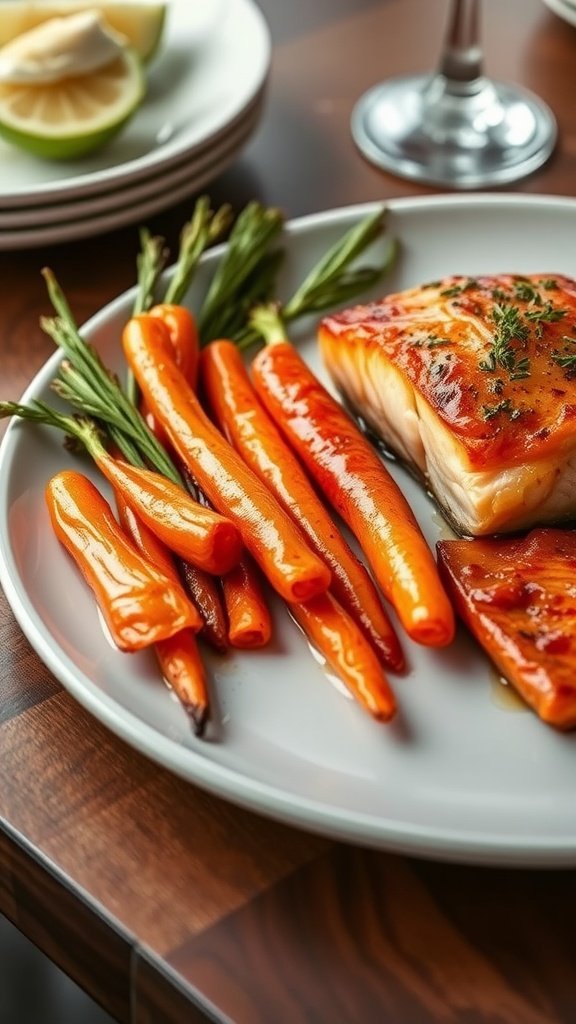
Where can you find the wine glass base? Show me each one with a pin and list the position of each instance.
(417, 128)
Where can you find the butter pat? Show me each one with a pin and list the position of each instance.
(60, 48)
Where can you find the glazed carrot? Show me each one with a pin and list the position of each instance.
(139, 604)
(249, 621)
(202, 588)
(183, 334)
(248, 427)
(347, 469)
(186, 527)
(182, 668)
(150, 547)
(337, 637)
(178, 655)
(230, 486)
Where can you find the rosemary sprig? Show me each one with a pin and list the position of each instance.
(86, 383)
(242, 264)
(333, 281)
(202, 230)
(78, 428)
(150, 263)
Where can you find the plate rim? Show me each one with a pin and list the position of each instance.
(127, 213)
(484, 847)
(105, 202)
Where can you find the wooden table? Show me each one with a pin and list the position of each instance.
(167, 904)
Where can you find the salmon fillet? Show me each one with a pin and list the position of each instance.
(518, 598)
(471, 382)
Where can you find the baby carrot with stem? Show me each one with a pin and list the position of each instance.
(178, 656)
(248, 427)
(230, 486)
(139, 603)
(202, 229)
(199, 231)
(88, 385)
(355, 481)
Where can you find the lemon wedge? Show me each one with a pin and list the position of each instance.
(66, 119)
(141, 23)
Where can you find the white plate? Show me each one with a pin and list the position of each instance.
(457, 776)
(563, 9)
(166, 190)
(213, 65)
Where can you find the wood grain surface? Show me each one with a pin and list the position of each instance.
(165, 903)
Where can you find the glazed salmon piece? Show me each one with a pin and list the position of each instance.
(471, 382)
(518, 598)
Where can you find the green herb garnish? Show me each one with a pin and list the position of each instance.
(547, 314)
(505, 406)
(509, 328)
(526, 292)
(457, 289)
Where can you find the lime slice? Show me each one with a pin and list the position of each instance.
(140, 22)
(63, 120)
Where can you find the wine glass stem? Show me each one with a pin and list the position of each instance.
(461, 59)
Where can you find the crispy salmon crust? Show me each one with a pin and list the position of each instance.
(472, 382)
(518, 598)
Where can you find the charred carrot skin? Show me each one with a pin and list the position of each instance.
(337, 637)
(186, 527)
(350, 473)
(139, 603)
(181, 665)
(248, 427)
(249, 620)
(230, 486)
(205, 592)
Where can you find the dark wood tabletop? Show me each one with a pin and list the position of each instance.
(163, 902)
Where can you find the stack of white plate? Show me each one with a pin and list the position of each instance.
(564, 9)
(205, 95)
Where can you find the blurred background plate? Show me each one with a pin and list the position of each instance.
(563, 9)
(167, 190)
(189, 170)
(212, 66)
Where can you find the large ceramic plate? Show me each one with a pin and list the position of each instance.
(460, 775)
(212, 67)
